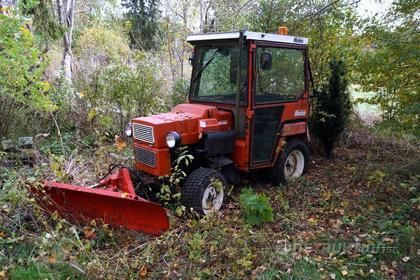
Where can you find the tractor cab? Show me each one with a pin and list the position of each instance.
(262, 80)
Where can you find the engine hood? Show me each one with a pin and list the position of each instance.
(188, 120)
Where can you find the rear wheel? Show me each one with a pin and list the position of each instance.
(292, 163)
(203, 191)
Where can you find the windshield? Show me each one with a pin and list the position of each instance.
(215, 76)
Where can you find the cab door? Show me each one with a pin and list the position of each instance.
(279, 79)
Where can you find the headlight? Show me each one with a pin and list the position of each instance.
(128, 130)
(173, 139)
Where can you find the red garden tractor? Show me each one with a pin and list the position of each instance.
(247, 110)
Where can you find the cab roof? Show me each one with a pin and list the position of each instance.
(247, 35)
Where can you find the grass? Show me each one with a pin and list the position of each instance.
(36, 271)
(350, 217)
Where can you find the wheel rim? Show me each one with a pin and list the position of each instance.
(213, 197)
(294, 165)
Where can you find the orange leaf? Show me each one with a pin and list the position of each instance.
(2, 234)
(119, 143)
(143, 271)
(2, 274)
(52, 259)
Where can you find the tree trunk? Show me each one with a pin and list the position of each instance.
(65, 11)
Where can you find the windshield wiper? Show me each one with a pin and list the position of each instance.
(205, 65)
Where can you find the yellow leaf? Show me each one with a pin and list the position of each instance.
(46, 86)
(92, 114)
(313, 221)
(2, 234)
(344, 272)
(326, 195)
(2, 274)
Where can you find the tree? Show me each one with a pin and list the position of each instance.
(173, 33)
(143, 17)
(330, 26)
(65, 11)
(332, 107)
(389, 66)
(45, 22)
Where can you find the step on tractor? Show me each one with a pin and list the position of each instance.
(247, 110)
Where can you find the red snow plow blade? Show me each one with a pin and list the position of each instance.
(115, 204)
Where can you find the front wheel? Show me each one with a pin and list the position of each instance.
(293, 162)
(203, 191)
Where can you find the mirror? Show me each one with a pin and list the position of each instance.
(266, 61)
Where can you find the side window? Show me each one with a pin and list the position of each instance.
(280, 74)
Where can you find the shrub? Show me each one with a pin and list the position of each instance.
(256, 207)
(116, 82)
(332, 107)
(21, 66)
(180, 91)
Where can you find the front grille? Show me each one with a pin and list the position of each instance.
(145, 156)
(143, 133)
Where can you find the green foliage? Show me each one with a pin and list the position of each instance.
(124, 91)
(196, 245)
(21, 67)
(117, 83)
(37, 271)
(330, 25)
(332, 107)
(269, 274)
(143, 16)
(9, 192)
(170, 190)
(256, 207)
(180, 91)
(101, 45)
(303, 270)
(45, 22)
(389, 65)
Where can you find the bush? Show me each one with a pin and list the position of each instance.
(180, 91)
(123, 92)
(256, 207)
(22, 63)
(332, 107)
(117, 83)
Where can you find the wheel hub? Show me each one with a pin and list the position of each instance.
(212, 198)
(294, 165)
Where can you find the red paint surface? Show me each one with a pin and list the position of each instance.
(111, 206)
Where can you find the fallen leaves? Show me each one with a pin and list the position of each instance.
(119, 143)
(143, 271)
(89, 233)
(52, 259)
